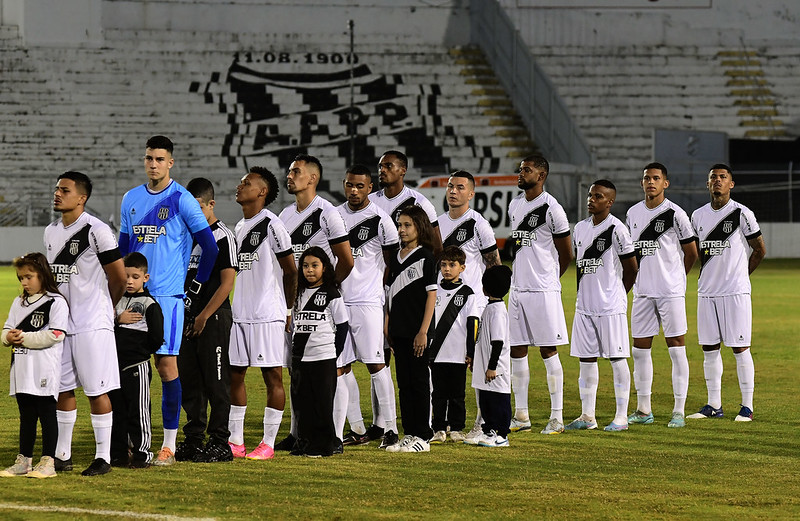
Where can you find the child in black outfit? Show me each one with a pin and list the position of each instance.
(320, 327)
(139, 332)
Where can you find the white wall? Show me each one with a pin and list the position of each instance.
(19, 240)
(721, 22)
(77, 22)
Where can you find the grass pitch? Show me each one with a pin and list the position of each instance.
(710, 469)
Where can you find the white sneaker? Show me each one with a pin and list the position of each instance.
(474, 435)
(416, 445)
(553, 427)
(519, 425)
(400, 444)
(438, 437)
(457, 436)
(493, 440)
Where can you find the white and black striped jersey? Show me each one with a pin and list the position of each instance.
(657, 235)
(475, 236)
(77, 254)
(410, 280)
(598, 251)
(259, 295)
(316, 314)
(455, 303)
(493, 326)
(137, 341)
(406, 197)
(226, 258)
(319, 224)
(534, 225)
(371, 232)
(724, 251)
(37, 371)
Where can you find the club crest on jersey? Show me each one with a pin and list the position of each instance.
(601, 245)
(363, 233)
(533, 220)
(37, 319)
(163, 213)
(461, 235)
(458, 300)
(74, 247)
(659, 226)
(412, 273)
(727, 226)
(255, 238)
(320, 299)
(307, 229)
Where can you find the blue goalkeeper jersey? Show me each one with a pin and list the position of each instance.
(160, 226)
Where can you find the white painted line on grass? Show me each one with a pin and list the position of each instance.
(118, 513)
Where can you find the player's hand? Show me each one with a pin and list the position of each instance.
(196, 326)
(468, 360)
(420, 342)
(289, 324)
(191, 302)
(14, 337)
(491, 374)
(129, 317)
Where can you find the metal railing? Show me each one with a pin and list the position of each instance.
(534, 97)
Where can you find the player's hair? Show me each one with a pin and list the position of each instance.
(82, 182)
(328, 271)
(721, 166)
(453, 253)
(270, 180)
(399, 155)
(159, 142)
(606, 183)
(359, 169)
(38, 263)
(310, 159)
(201, 188)
(656, 166)
(136, 260)
(539, 162)
(421, 222)
(465, 175)
(496, 280)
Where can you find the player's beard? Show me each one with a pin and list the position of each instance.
(526, 185)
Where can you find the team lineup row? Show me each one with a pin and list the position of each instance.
(192, 260)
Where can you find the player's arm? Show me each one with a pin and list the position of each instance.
(388, 252)
(208, 256)
(115, 273)
(758, 253)
(629, 269)
(226, 278)
(472, 338)
(689, 253)
(563, 244)
(491, 258)
(344, 259)
(289, 277)
(421, 339)
(154, 318)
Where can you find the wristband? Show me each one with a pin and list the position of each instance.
(288, 312)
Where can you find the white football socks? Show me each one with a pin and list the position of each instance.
(340, 406)
(101, 423)
(236, 424)
(643, 378)
(712, 370)
(622, 389)
(66, 424)
(384, 393)
(680, 377)
(555, 384)
(520, 379)
(587, 385)
(272, 422)
(354, 416)
(746, 371)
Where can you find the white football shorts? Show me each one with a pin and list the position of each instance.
(727, 319)
(604, 336)
(89, 360)
(649, 314)
(536, 318)
(365, 338)
(261, 344)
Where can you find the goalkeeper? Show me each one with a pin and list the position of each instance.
(161, 219)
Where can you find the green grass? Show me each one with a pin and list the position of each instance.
(710, 469)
